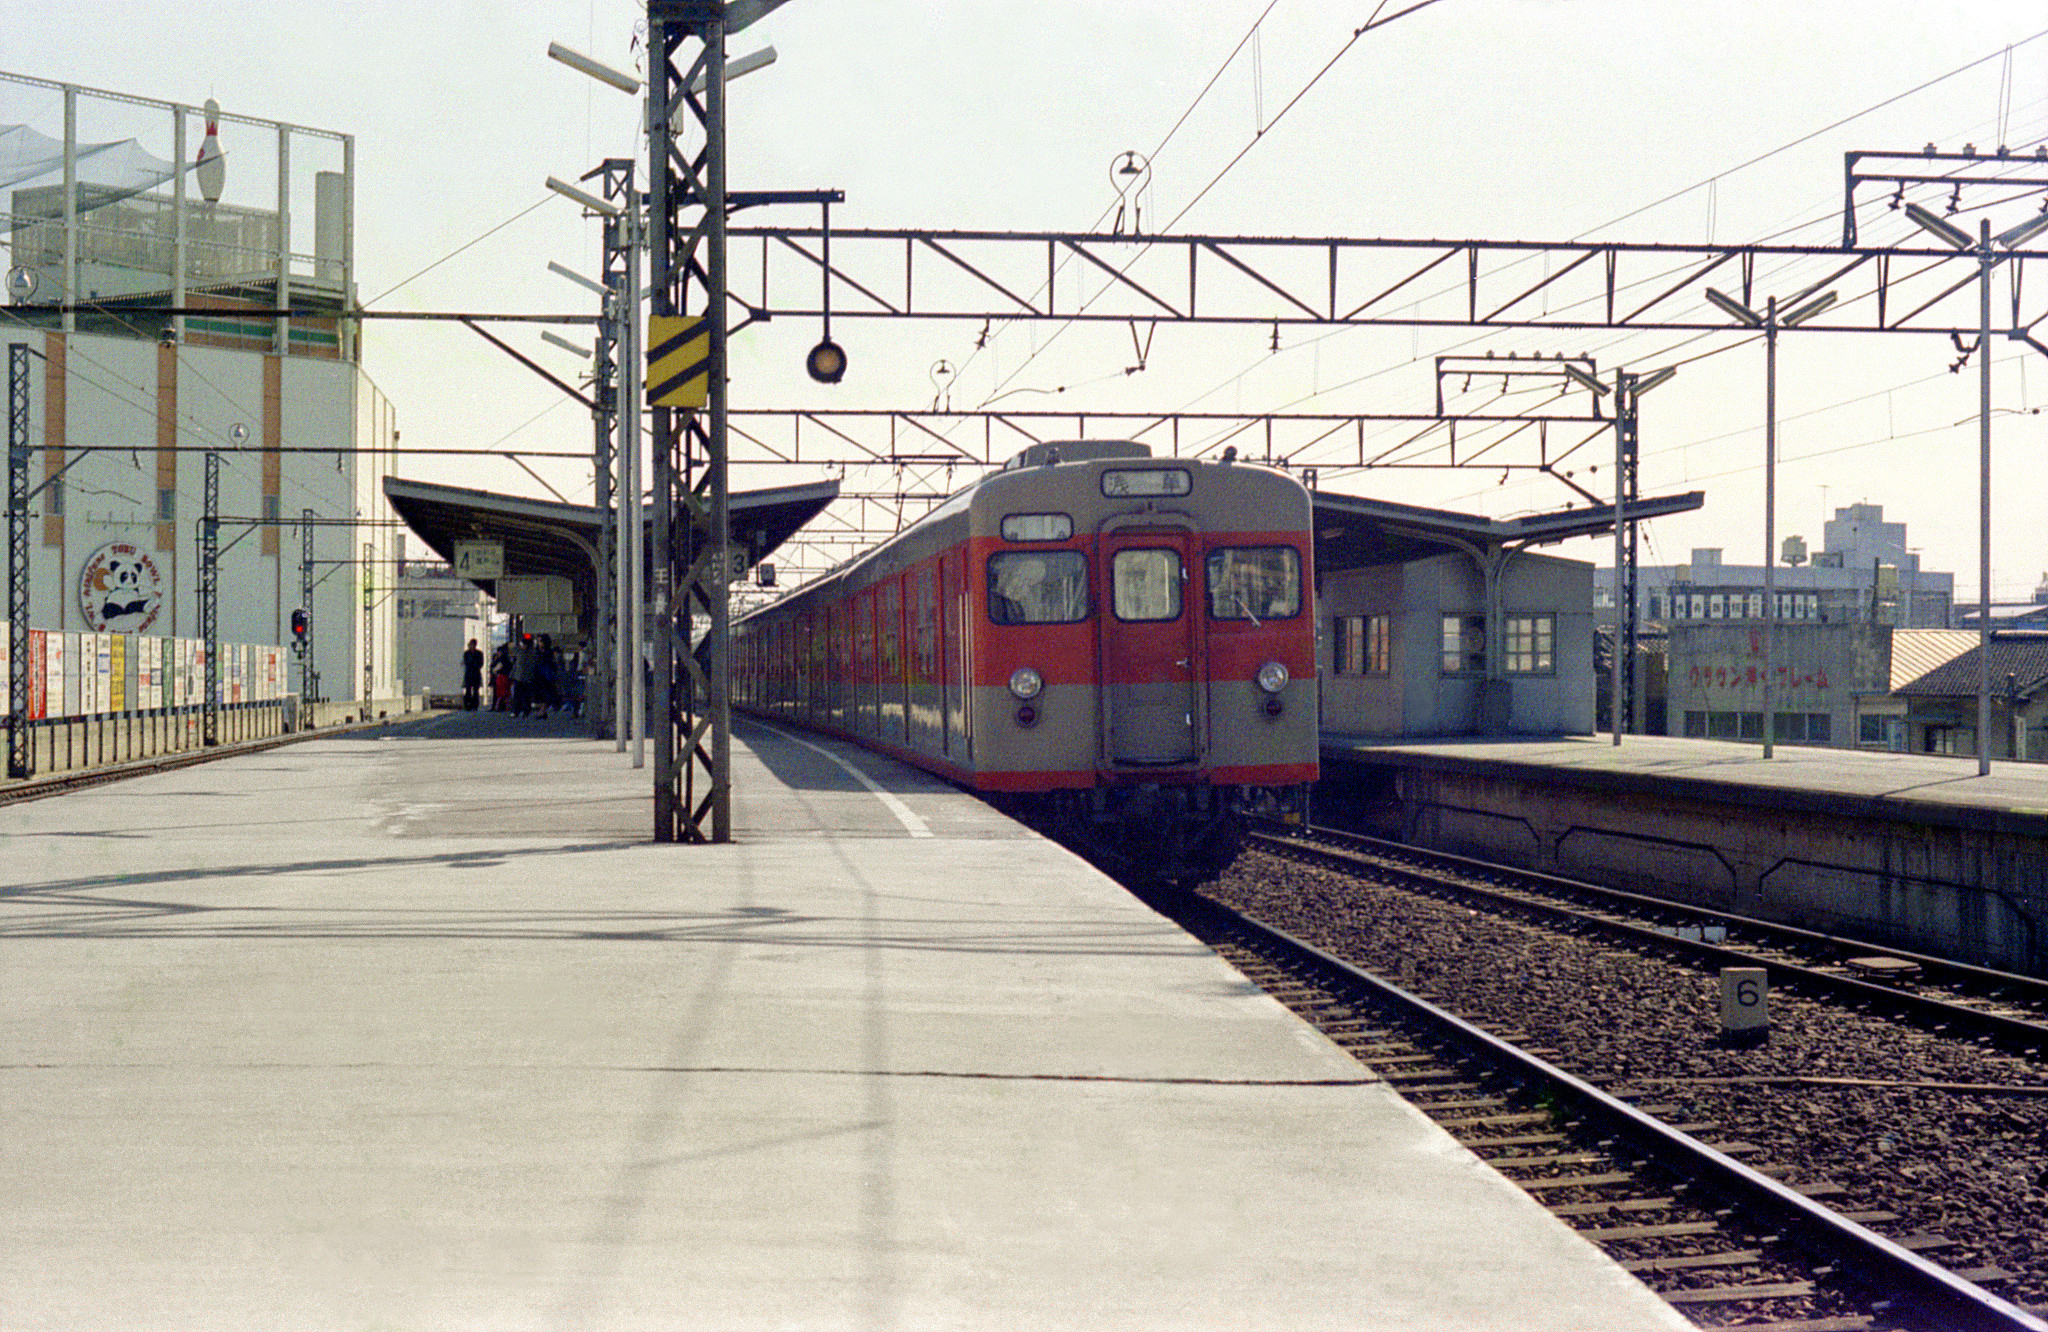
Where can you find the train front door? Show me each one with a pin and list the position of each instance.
(1148, 666)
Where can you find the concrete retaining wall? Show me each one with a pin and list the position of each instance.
(1970, 884)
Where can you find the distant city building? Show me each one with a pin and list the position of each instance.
(2011, 614)
(1717, 672)
(1863, 573)
(1941, 715)
(1881, 714)
(128, 401)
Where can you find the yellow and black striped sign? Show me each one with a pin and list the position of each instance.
(678, 361)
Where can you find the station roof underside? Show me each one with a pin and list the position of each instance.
(1353, 532)
(541, 537)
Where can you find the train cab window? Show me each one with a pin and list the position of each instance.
(1150, 481)
(1037, 527)
(1145, 584)
(1254, 583)
(1038, 587)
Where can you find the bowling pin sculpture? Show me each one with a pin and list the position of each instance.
(212, 166)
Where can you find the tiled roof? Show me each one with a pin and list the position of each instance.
(2024, 656)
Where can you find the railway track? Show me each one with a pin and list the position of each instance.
(1728, 1239)
(1944, 996)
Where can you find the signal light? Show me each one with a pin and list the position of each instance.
(301, 625)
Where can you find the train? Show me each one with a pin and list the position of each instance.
(1117, 648)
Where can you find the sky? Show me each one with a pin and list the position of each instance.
(1636, 120)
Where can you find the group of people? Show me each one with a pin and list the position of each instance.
(528, 677)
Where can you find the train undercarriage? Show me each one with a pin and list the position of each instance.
(1169, 833)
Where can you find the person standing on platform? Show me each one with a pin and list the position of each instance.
(525, 669)
(472, 676)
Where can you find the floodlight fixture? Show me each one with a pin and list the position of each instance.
(2017, 236)
(1654, 378)
(1801, 314)
(741, 13)
(1584, 380)
(1736, 310)
(739, 65)
(1941, 227)
(603, 73)
(549, 335)
(588, 200)
(579, 279)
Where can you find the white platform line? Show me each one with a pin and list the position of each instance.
(911, 823)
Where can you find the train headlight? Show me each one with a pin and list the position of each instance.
(1025, 682)
(1272, 677)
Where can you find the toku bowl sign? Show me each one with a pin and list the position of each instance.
(120, 590)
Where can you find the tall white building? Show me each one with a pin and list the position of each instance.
(142, 273)
(1863, 573)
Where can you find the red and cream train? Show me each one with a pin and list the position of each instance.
(1117, 647)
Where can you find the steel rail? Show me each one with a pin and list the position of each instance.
(1874, 1262)
(2021, 1033)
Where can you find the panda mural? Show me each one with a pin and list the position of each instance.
(119, 589)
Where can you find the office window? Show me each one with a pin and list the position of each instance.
(1464, 644)
(1531, 643)
(1379, 644)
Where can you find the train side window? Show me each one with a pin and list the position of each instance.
(1145, 584)
(1037, 527)
(1038, 587)
(1254, 583)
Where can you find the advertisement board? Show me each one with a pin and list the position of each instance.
(64, 674)
(38, 674)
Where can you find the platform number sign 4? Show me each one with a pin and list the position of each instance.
(479, 559)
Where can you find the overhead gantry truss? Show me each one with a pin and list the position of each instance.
(1084, 276)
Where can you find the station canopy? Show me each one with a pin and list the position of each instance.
(1353, 532)
(541, 537)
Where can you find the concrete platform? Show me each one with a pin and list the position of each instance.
(414, 1030)
(1909, 851)
(1928, 787)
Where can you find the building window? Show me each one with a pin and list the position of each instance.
(1379, 644)
(1656, 606)
(1464, 644)
(166, 505)
(1699, 605)
(1531, 644)
(1717, 607)
(1756, 605)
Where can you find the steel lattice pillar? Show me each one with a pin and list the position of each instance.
(691, 706)
(17, 561)
(1624, 643)
(608, 440)
(306, 603)
(209, 595)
